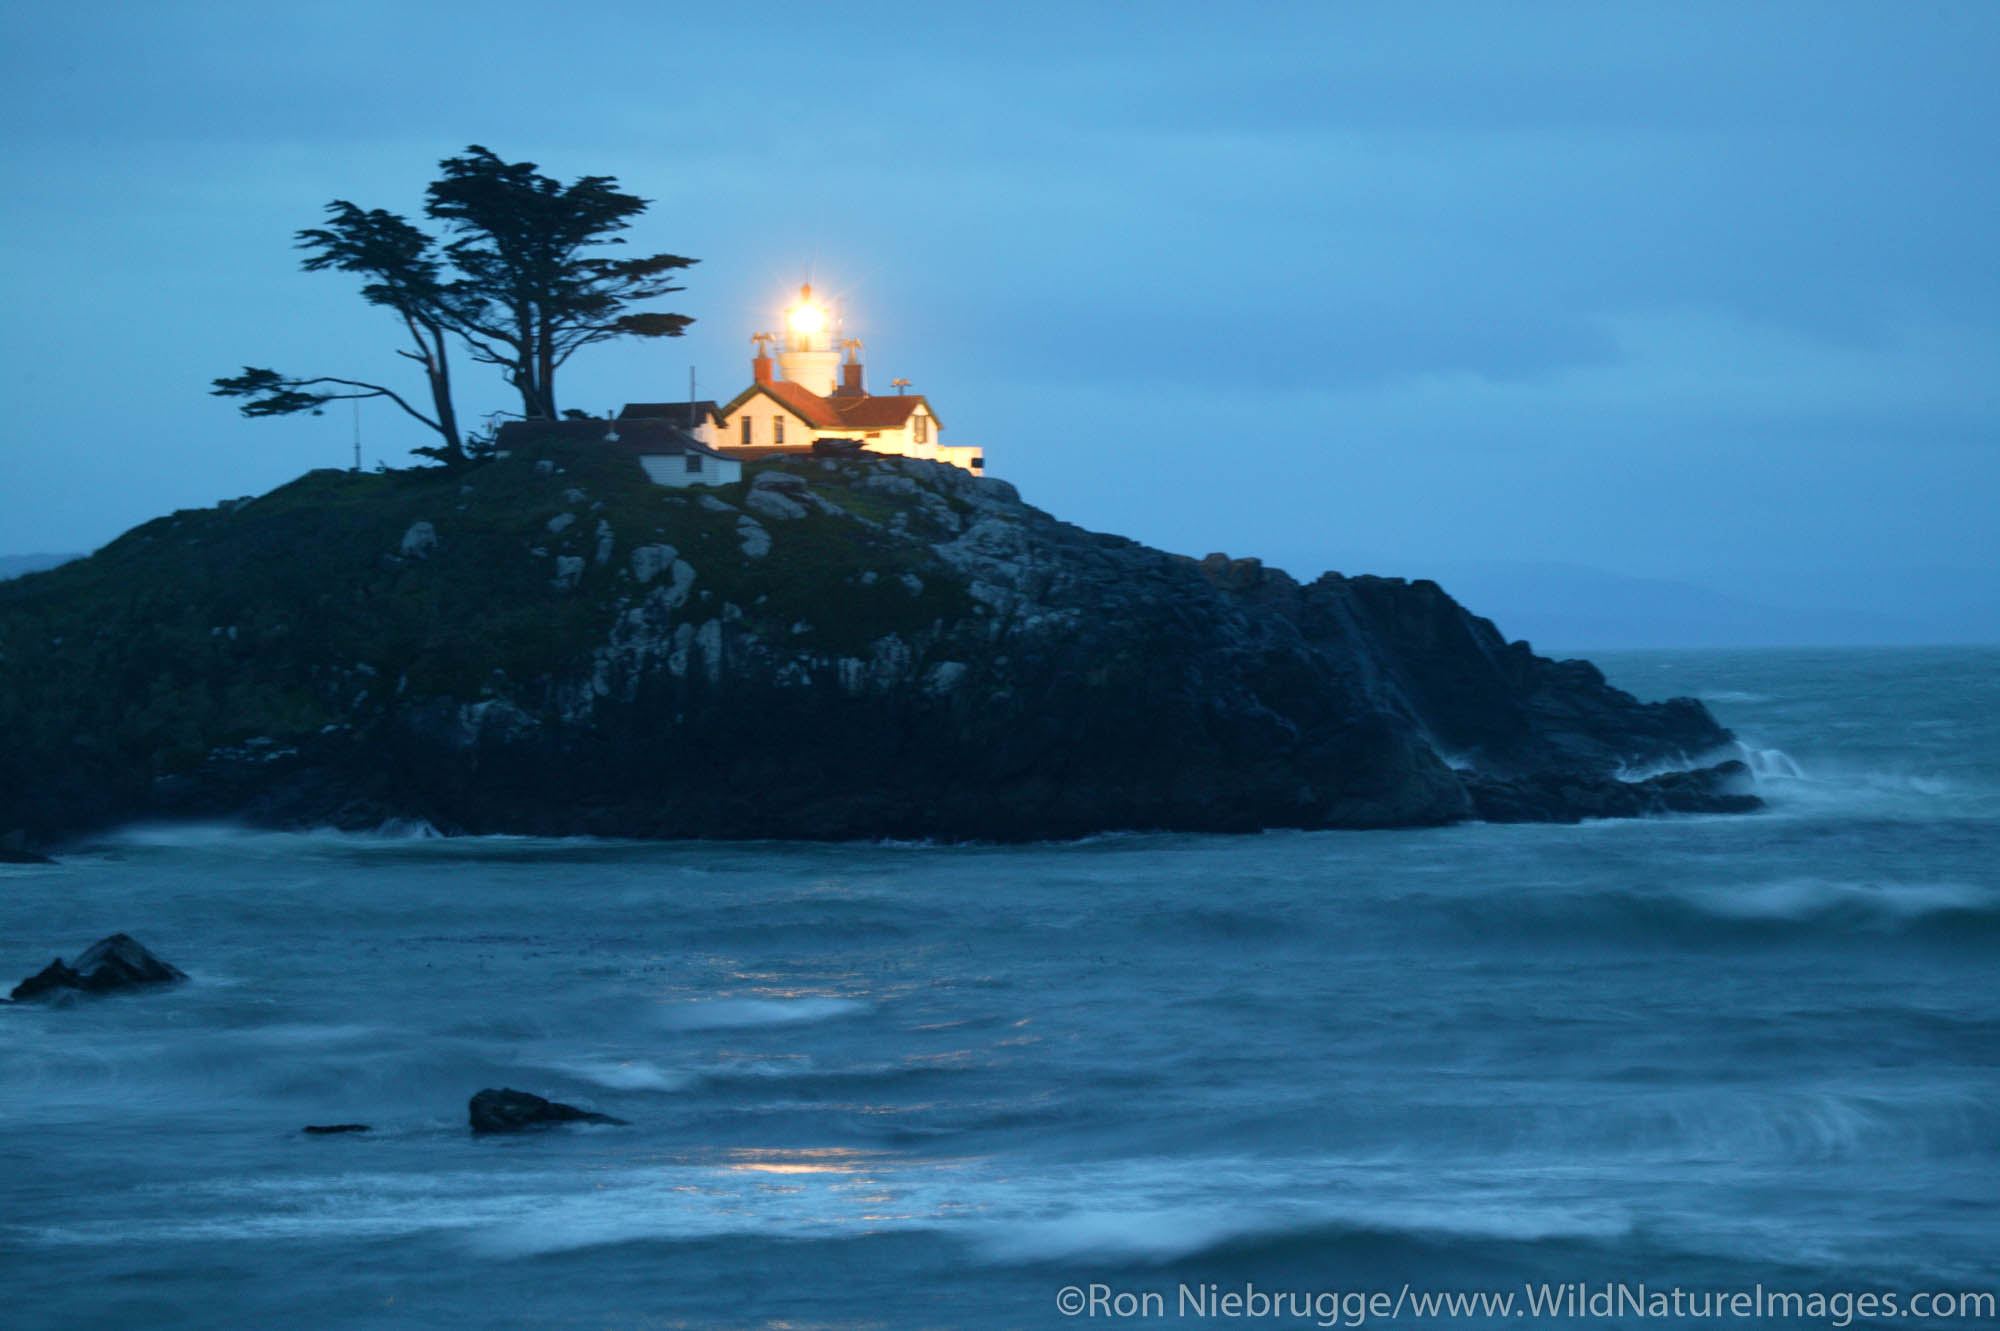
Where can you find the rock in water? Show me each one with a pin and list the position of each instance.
(115, 963)
(516, 1111)
(326, 1129)
(1571, 796)
(14, 849)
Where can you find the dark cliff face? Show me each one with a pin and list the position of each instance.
(865, 648)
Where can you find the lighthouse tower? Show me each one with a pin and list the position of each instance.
(809, 358)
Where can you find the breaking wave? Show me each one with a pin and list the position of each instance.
(1800, 906)
(723, 1013)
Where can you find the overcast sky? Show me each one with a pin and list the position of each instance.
(1676, 291)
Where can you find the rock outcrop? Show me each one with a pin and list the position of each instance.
(518, 1111)
(1561, 797)
(833, 648)
(110, 965)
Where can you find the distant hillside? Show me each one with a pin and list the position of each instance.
(13, 566)
(1573, 607)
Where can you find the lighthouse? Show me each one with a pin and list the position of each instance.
(813, 397)
(809, 358)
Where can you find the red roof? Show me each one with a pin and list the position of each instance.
(801, 402)
(811, 407)
(834, 413)
(876, 413)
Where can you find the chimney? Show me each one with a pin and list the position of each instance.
(850, 371)
(760, 367)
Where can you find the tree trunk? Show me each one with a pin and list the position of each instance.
(447, 415)
(532, 407)
(545, 366)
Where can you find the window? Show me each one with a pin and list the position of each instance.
(777, 429)
(745, 424)
(694, 463)
(922, 426)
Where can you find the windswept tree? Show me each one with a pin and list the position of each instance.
(403, 269)
(519, 279)
(533, 288)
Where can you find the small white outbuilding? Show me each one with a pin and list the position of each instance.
(668, 454)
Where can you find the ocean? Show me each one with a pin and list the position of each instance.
(1293, 1079)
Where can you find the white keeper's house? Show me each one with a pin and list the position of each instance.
(814, 399)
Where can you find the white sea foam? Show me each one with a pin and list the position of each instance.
(1158, 1235)
(626, 1075)
(1815, 898)
(723, 1013)
(1145, 1210)
(1170, 1233)
(408, 829)
(1766, 764)
(239, 837)
(182, 835)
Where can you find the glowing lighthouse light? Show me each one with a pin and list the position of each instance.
(808, 318)
(809, 359)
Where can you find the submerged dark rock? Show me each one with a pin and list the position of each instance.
(14, 849)
(328, 1129)
(909, 651)
(110, 965)
(518, 1111)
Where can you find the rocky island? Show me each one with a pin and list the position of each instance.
(549, 643)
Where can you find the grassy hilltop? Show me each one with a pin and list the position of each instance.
(548, 642)
(211, 627)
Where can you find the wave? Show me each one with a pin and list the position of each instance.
(1816, 1125)
(393, 833)
(407, 829)
(1811, 900)
(1718, 913)
(1222, 1216)
(1003, 1216)
(177, 836)
(244, 840)
(727, 1013)
(1914, 784)
(1765, 764)
(1169, 1235)
(625, 1074)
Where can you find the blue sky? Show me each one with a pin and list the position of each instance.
(1701, 292)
